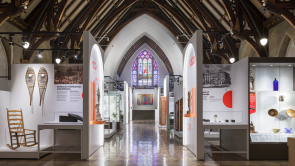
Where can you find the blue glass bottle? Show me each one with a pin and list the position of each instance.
(275, 85)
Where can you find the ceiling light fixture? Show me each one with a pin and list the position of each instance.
(25, 43)
(40, 54)
(270, 65)
(76, 55)
(232, 60)
(253, 65)
(290, 65)
(263, 41)
(57, 60)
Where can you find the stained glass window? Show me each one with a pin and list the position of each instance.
(145, 70)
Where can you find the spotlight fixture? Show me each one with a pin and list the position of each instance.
(232, 60)
(290, 65)
(10, 40)
(263, 41)
(108, 39)
(253, 65)
(25, 43)
(40, 54)
(64, 55)
(57, 60)
(76, 55)
(61, 41)
(270, 65)
(177, 37)
(219, 41)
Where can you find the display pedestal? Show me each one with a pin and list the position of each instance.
(291, 146)
(179, 134)
(22, 152)
(108, 133)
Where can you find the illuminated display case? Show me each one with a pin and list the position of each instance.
(271, 106)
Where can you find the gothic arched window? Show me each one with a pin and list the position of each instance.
(145, 70)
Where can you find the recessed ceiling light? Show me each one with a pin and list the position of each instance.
(290, 65)
(270, 65)
(253, 65)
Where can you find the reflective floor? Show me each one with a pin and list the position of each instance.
(143, 143)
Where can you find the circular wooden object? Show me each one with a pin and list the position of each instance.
(290, 113)
(273, 112)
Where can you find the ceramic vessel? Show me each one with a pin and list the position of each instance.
(276, 130)
(273, 112)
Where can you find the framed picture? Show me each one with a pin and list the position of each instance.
(145, 99)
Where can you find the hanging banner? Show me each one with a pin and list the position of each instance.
(252, 102)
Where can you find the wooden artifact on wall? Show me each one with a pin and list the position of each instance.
(163, 111)
(97, 115)
(17, 130)
(42, 83)
(30, 81)
(179, 114)
(189, 102)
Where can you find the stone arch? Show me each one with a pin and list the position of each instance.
(3, 61)
(284, 46)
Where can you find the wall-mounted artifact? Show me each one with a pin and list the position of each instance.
(252, 128)
(42, 82)
(179, 114)
(233, 121)
(288, 130)
(226, 120)
(281, 98)
(163, 111)
(189, 103)
(275, 85)
(30, 81)
(290, 113)
(215, 116)
(273, 112)
(276, 130)
(17, 130)
(145, 99)
(97, 113)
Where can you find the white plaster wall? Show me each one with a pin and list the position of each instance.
(126, 74)
(35, 114)
(145, 91)
(143, 25)
(4, 103)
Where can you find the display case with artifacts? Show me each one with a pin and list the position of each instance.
(271, 105)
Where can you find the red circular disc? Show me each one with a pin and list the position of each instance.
(227, 99)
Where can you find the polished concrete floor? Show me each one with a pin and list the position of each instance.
(143, 143)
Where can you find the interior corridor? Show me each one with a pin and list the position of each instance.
(142, 143)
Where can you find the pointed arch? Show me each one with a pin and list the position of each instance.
(284, 46)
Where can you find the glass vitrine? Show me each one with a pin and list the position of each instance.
(272, 102)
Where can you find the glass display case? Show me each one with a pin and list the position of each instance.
(272, 101)
(271, 107)
(112, 103)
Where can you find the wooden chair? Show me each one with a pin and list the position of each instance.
(16, 130)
